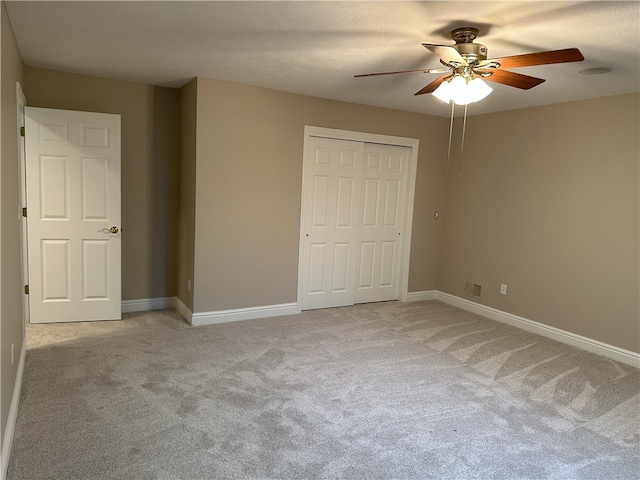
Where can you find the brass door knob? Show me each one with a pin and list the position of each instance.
(113, 229)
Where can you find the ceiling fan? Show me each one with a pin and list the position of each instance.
(468, 61)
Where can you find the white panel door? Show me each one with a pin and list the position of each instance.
(73, 221)
(381, 222)
(352, 223)
(330, 222)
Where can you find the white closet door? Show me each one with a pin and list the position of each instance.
(330, 222)
(352, 222)
(381, 203)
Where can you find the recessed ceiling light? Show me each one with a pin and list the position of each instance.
(595, 71)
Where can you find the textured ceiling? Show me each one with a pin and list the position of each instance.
(315, 48)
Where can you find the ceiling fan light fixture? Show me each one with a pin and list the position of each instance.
(478, 89)
(444, 91)
(462, 90)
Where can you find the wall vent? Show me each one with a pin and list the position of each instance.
(472, 289)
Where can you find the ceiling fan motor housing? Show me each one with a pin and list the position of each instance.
(471, 52)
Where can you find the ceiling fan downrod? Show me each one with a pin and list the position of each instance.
(464, 34)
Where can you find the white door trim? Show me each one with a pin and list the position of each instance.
(22, 159)
(413, 144)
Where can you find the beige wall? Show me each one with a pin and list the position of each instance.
(12, 331)
(187, 200)
(150, 151)
(249, 150)
(547, 202)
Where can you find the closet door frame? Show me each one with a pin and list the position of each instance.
(413, 144)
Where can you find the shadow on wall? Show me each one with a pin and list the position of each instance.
(164, 191)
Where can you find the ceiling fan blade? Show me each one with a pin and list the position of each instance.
(424, 70)
(433, 85)
(447, 53)
(440, 70)
(525, 82)
(539, 58)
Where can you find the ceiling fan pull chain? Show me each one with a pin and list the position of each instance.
(450, 135)
(464, 129)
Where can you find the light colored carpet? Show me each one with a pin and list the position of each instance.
(374, 391)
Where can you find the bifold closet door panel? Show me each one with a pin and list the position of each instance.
(384, 179)
(330, 224)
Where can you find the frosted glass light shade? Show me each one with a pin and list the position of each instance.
(478, 89)
(461, 91)
(443, 92)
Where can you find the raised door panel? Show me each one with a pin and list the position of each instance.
(55, 270)
(370, 202)
(387, 263)
(341, 264)
(95, 270)
(344, 203)
(320, 201)
(316, 268)
(390, 203)
(367, 254)
(54, 187)
(95, 191)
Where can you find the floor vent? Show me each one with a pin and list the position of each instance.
(472, 289)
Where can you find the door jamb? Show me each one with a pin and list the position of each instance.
(22, 161)
(413, 144)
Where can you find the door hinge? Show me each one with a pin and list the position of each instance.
(26, 289)
(22, 131)
(24, 211)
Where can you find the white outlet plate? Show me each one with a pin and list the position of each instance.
(503, 289)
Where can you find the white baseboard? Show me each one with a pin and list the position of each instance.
(421, 296)
(594, 346)
(184, 311)
(208, 318)
(223, 316)
(13, 413)
(144, 304)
